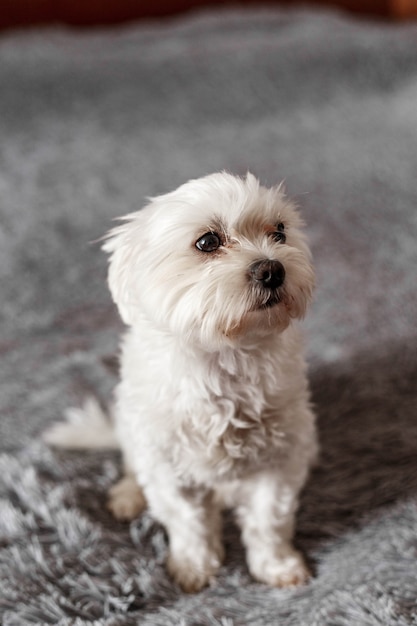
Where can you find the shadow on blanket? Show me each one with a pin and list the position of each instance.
(368, 437)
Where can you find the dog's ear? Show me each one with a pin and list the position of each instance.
(125, 244)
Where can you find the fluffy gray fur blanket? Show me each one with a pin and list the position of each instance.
(92, 122)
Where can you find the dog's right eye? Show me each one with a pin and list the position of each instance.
(209, 242)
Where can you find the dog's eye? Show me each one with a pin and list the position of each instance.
(279, 234)
(208, 242)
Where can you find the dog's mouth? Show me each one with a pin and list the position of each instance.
(273, 300)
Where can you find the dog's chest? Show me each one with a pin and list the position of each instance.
(230, 418)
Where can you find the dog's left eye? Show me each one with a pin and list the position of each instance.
(208, 242)
(279, 235)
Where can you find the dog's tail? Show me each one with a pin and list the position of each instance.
(85, 428)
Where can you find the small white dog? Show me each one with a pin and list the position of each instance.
(213, 407)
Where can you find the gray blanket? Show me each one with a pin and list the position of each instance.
(92, 122)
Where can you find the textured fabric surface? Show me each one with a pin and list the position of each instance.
(90, 124)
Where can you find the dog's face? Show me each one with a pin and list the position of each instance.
(216, 260)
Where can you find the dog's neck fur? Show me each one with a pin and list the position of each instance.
(257, 361)
(228, 355)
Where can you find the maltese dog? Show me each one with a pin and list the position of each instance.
(213, 407)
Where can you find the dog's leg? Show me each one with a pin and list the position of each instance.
(193, 523)
(266, 515)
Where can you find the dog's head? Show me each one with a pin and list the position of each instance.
(218, 259)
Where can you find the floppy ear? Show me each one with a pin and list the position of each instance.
(124, 244)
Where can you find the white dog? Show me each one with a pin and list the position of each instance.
(213, 407)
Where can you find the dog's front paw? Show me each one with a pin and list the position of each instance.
(126, 500)
(284, 568)
(192, 573)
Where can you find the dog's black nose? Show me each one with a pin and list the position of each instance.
(270, 273)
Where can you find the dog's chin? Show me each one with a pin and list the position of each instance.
(261, 319)
(273, 303)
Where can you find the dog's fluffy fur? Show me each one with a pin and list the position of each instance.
(213, 408)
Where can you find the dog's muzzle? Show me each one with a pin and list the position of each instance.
(268, 276)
